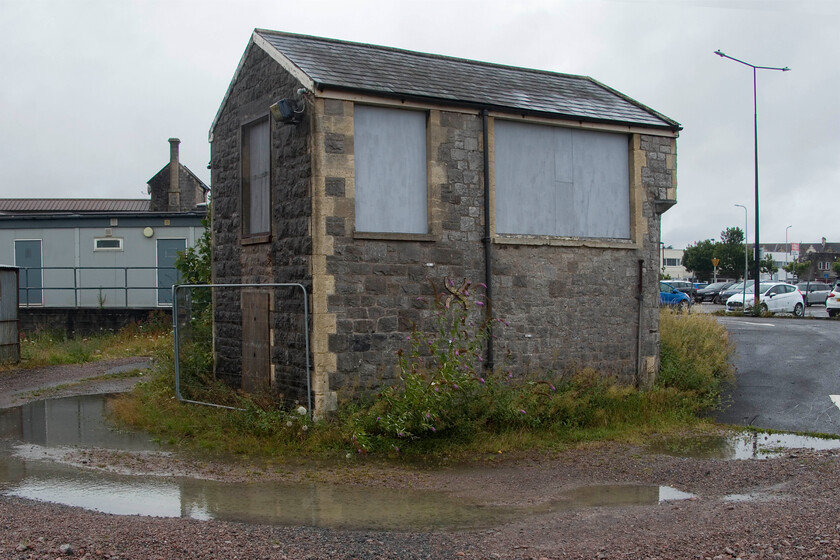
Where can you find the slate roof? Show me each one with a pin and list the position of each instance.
(390, 72)
(71, 205)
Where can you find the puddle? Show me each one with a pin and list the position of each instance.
(620, 495)
(69, 422)
(747, 445)
(37, 432)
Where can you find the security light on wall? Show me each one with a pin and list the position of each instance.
(286, 111)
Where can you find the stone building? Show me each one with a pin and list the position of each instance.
(175, 188)
(371, 174)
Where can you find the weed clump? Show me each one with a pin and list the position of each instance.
(446, 402)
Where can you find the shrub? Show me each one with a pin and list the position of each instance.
(694, 357)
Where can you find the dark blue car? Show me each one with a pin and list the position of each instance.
(672, 297)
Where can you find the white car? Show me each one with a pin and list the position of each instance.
(775, 297)
(832, 304)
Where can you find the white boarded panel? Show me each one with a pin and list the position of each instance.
(390, 170)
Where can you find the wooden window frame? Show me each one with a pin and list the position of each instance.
(248, 236)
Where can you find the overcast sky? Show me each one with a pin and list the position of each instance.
(92, 89)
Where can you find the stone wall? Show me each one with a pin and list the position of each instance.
(83, 321)
(569, 305)
(283, 257)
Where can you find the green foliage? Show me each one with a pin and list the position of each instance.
(729, 250)
(54, 347)
(798, 269)
(694, 358)
(194, 263)
(448, 404)
(697, 258)
(836, 267)
(768, 265)
(442, 376)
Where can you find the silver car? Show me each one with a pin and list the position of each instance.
(814, 292)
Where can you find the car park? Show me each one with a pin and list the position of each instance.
(672, 297)
(683, 286)
(814, 292)
(832, 303)
(737, 288)
(711, 292)
(775, 297)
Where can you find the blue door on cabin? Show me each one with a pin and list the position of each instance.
(167, 274)
(28, 259)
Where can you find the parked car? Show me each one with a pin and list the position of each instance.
(711, 292)
(814, 292)
(672, 297)
(683, 286)
(832, 303)
(732, 290)
(775, 297)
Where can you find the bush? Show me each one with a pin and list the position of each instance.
(694, 358)
(447, 402)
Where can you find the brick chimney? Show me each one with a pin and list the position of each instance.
(174, 176)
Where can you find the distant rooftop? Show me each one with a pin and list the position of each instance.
(71, 205)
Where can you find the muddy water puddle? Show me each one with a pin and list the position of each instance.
(741, 446)
(34, 437)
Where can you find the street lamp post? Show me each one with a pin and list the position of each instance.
(755, 137)
(746, 254)
(787, 250)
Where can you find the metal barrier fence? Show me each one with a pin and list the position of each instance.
(157, 278)
(254, 337)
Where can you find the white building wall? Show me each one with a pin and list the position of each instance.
(65, 251)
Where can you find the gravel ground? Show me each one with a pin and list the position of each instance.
(785, 507)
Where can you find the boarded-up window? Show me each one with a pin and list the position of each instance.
(561, 181)
(390, 161)
(256, 200)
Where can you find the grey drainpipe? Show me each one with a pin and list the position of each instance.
(488, 263)
(641, 299)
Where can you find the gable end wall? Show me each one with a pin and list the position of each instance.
(286, 256)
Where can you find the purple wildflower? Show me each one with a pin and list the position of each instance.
(479, 303)
(481, 379)
(434, 430)
(483, 285)
(522, 411)
(553, 388)
(455, 385)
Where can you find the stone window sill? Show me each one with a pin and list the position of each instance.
(589, 242)
(256, 239)
(394, 236)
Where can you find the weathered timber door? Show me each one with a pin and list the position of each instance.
(256, 346)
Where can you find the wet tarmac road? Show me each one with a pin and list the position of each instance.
(787, 373)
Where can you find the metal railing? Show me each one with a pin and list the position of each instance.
(184, 314)
(77, 284)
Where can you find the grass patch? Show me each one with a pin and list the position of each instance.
(47, 392)
(446, 407)
(49, 348)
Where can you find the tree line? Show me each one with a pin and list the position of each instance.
(729, 251)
